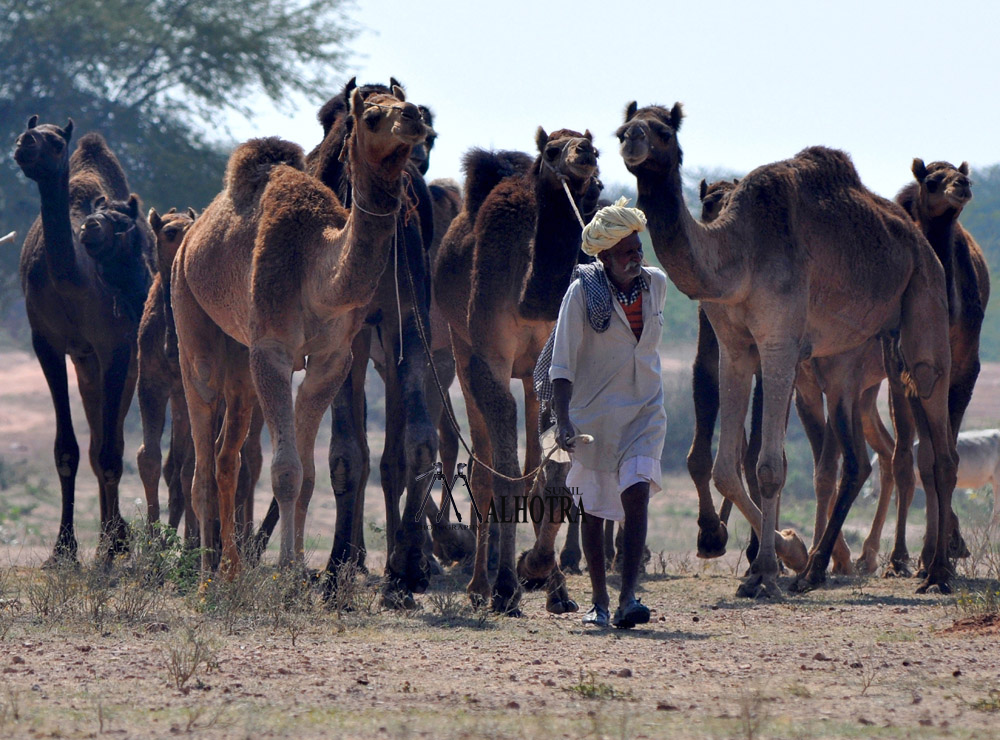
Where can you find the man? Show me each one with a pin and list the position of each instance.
(605, 375)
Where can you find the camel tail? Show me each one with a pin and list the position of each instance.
(484, 170)
(93, 155)
(251, 163)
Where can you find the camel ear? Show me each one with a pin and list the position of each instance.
(192, 213)
(357, 103)
(676, 116)
(587, 135)
(154, 220)
(393, 82)
(33, 121)
(964, 168)
(736, 181)
(541, 139)
(99, 201)
(67, 131)
(133, 206)
(702, 189)
(630, 110)
(918, 169)
(349, 87)
(399, 93)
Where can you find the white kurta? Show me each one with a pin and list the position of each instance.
(617, 396)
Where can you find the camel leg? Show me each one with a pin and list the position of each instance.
(252, 461)
(154, 394)
(118, 378)
(349, 462)
(271, 367)
(235, 426)
(569, 556)
(481, 481)
(751, 454)
(963, 382)
(712, 532)
(180, 447)
(66, 449)
(902, 473)
(325, 375)
(778, 365)
(845, 423)
(881, 441)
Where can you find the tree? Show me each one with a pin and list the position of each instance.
(148, 75)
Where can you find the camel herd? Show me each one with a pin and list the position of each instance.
(805, 280)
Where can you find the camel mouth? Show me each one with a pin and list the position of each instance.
(582, 169)
(634, 153)
(958, 200)
(26, 154)
(409, 132)
(91, 234)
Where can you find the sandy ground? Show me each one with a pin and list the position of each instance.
(863, 657)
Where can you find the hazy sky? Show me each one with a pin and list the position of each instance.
(886, 81)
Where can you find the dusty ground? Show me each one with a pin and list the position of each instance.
(859, 658)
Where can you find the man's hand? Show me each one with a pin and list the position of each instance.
(565, 431)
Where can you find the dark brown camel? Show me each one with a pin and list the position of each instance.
(869, 272)
(499, 277)
(84, 276)
(159, 383)
(934, 201)
(302, 271)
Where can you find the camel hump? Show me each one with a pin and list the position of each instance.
(832, 165)
(251, 163)
(295, 209)
(484, 170)
(94, 155)
(84, 188)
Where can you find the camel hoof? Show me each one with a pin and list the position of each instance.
(533, 570)
(507, 594)
(865, 565)
(569, 562)
(560, 604)
(806, 582)
(957, 549)
(759, 587)
(712, 544)
(842, 568)
(398, 600)
(61, 559)
(454, 542)
(897, 570)
(942, 585)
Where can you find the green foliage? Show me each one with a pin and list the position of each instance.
(147, 75)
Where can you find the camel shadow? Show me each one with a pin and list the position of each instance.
(639, 633)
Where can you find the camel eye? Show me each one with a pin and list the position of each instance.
(170, 233)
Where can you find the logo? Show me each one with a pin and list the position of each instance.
(556, 505)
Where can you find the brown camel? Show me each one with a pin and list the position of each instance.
(934, 201)
(499, 277)
(85, 272)
(812, 377)
(300, 273)
(805, 262)
(160, 383)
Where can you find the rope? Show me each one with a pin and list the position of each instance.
(585, 438)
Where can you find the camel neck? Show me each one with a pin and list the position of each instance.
(940, 232)
(687, 251)
(57, 232)
(553, 254)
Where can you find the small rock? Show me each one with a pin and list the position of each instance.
(664, 707)
(513, 705)
(662, 619)
(926, 722)
(820, 656)
(84, 648)
(695, 619)
(865, 721)
(956, 673)
(548, 682)
(363, 680)
(857, 665)
(285, 672)
(625, 673)
(157, 627)
(17, 660)
(536, 661)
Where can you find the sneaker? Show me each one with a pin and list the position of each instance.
(631, 614)
(598, 616)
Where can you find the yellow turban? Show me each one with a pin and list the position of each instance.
(610, 225)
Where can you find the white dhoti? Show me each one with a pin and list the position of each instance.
(599, 492)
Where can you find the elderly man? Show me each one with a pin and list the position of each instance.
(605, 374)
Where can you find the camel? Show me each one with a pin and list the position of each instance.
(301, 270)
(935, 201)
(159, 383)
(869, 273)
(82, 273)
(811, 379)
(499, 277)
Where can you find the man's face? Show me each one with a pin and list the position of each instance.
(623, 261)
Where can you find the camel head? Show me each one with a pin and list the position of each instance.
(384, 129)
(170, 229)
(943, 187)
(42, 152)
(566, 156)
(421, 154)
(110, 231)
(714, 198)
(649, 137)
